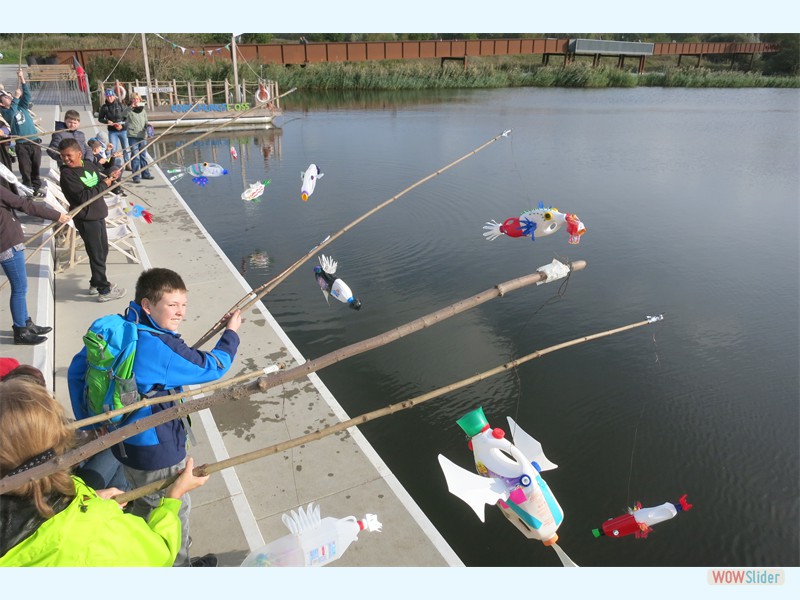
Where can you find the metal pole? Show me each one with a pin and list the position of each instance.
(235, 69)
(147, 72)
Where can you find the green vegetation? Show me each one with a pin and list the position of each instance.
(167, 63)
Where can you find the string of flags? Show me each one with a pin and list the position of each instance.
(201, 52)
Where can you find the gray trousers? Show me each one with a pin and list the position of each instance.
(143, 506)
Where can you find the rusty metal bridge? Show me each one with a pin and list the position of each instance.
(569, 50)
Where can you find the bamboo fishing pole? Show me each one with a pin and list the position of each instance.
(255, 295)
(263, 384)
(208, 469)
(58, 227)
(348, 351)
(116, 184)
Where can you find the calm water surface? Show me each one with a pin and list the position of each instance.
(690, 198)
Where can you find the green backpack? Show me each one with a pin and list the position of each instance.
(110, 383)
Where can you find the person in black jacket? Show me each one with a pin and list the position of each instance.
(113, 113)
(80, 181)
(68, 128)
(12, 259)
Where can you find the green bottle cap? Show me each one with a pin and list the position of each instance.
(473, 422)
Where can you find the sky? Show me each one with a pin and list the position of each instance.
(408, 16)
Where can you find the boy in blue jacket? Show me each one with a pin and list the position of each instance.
(163, 365)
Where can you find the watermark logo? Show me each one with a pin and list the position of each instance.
(746, 577)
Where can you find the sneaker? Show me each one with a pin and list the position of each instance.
(93, 291)
(209, 560)
(147, 176)
(137, 180)
(39, 193)
(114, 294)
(121, 192)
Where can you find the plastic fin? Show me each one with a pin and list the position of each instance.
(529, 446)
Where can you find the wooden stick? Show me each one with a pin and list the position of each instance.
(348, 351)
(265, 289)
(208, 469)
(263, 384)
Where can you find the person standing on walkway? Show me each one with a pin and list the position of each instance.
(137, 137)
(15, 110)
(68, 128)
(163, 364)
(12, 259)
(81, 180)
(114, 114)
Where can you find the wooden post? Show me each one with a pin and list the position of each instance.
(209, 95)
(157, 101)
(173, 95)
(227, 91)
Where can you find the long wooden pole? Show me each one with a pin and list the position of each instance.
(255, 295)
(263, 384)
(208, 469)
(348, 351)
(146, 68)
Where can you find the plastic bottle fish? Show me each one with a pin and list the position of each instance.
(539, 221)
(309, 177)
(11, 178)
(139, 212)
(234, 154)
(200, 172)
(254, 191)
(509, 477)
(638, 520)
(334, 286)
(313, 541)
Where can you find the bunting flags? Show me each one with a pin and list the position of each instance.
(201, 52)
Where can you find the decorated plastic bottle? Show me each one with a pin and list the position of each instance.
(313, 542)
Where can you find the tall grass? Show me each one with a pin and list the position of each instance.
(698, 77)
(430, 74)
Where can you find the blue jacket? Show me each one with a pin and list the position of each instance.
(164, 363)
(18, 116)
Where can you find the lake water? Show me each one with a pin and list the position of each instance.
(690, 198)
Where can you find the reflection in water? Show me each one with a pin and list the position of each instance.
(703, 403)
(258, 260)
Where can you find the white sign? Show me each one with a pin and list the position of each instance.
(142, 90)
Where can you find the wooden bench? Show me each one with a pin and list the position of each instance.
(51, 73)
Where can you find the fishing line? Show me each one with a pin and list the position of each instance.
(114, 68)
(636, 429)
(559, 294)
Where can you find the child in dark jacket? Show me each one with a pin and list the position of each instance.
(163, 365)
(80, 181)
(68, 128)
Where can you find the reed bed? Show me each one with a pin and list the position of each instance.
(430, 74)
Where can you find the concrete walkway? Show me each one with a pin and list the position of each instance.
(239, 509)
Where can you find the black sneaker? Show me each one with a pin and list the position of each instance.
(209, 560)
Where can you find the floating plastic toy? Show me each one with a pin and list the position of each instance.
(638, 520)
(537, 222)
(309, 177)
(509, 477)
(234, 154)
(254, 191)
(313, 542)
(200, 172)
(139, 212)
(334, 286)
